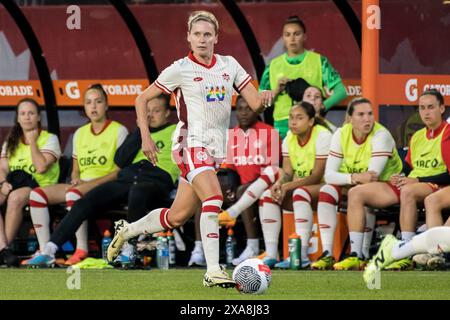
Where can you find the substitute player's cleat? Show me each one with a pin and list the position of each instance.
(118, 241)
(77, 257)
(382, 259)
(270, 262)
(403, 264)
(226, 220)
(248, 253)
(24, 262)
(285, 264)
(325, 262)
(41, 261)
(352, 262)
(262, 255)
(218, 278)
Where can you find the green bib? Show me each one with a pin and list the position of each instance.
(309, 69)
(303, 157)
(95, 153)
(163, 140)
(426, 155)
(357, 156)
(21, 160)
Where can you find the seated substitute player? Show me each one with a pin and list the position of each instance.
(139, 184)
(362, 151)
(253, 151)
(305, 152)
(29, 158)
(94, 146)
(202, 83)
(429, 158)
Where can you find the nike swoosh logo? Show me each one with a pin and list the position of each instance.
(21, 160)
(424, 154)
(234, 147)
(90, 151)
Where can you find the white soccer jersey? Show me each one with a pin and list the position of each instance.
(203, 99)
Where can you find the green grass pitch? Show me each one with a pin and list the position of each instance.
(180, 284)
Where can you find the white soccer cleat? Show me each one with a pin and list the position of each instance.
(421, 259)
(218, 278)
(118, 241)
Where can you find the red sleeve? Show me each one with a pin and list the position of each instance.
(445, 147)
(408, 157)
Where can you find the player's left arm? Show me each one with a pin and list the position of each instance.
(333, 82)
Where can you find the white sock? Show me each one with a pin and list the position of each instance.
(50, 249)
(368, 232)
(209, 229)
(303, 214)
(198, 245)
(327, 214)
(155, 221)
(270, 216)
(356, 242)
(253, 244)
(435, 240)
(254, 191)
(407, 235)
(72, 196)
(40, 216)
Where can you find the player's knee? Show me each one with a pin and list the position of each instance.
(432, 202)
(356, 194)
(16, 200)
(407, 193)
(270, 174)
(329, 194)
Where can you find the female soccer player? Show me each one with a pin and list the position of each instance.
(29, 158)
(429, 158)
(362, 151)
(203, 84)
(94, 146)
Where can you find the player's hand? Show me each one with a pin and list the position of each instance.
(281, 85)
(403, 181)
(266, 97)
(365, 177)
(150, 150)
(31, 135)
(276, 191)
(6, 188)
(394, 179)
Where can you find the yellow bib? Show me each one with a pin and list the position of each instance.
(95, 153)
(21, 160)
(426, 155)
(309, 69)
(357, 156)
(303, 157)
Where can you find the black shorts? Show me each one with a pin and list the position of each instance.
(20, 179)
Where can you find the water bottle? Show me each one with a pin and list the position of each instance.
(32, 243)
(172, 248)
(162, 252)
(295, 251)
(230, 247)
(105, 244)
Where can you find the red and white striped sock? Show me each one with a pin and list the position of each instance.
(40, 216)
(209, 230)
(254, 191)
(155, 221)
(303, 215)
(270, 216)
(72, 196)
(327, 215)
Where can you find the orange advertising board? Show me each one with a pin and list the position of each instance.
(399, 89)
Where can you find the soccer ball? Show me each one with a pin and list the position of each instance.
(252, 276)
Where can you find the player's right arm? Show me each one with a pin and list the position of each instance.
(149, 147)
